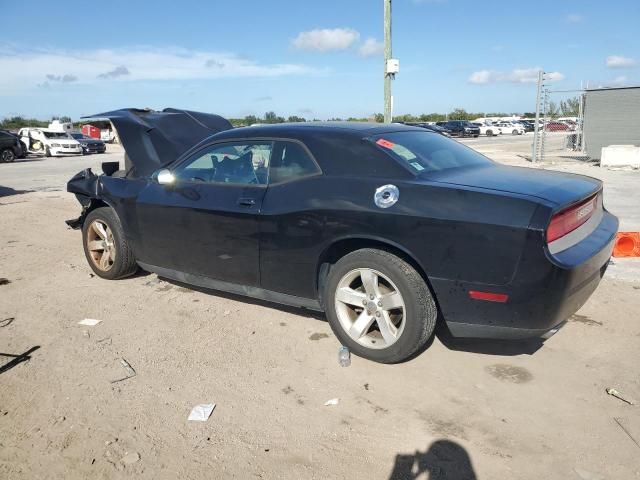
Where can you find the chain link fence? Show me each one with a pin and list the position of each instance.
(561, 127)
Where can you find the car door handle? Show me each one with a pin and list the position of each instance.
(246, 202)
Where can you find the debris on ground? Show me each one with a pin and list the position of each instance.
(130, 458)
(202, 412)
(333, 401)
(4, 281)
(617, 420)
(89, 322)
(344, 356)
(613, 392)
(130, 371)
(6, 321)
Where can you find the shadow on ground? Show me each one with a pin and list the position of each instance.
(444, 459)
(16, 359)
(8, 191)
(487, 347)
(506, 348)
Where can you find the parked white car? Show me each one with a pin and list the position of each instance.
(49, 142)
(508, 128)
(487, 130)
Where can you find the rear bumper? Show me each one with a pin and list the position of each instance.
(546, 290)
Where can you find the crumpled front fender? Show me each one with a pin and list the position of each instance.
(85, 186)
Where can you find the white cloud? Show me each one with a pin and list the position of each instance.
(574, 18)
(326, 39)
(115, 73)
(518, 75)
(66, 78)
(619, 81)
(371, 48)
(23, 70)
(618, 61)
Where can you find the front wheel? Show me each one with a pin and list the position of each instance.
(105, 245)
(489, 133)
(379, 306)
(7, 155)
(47, 152)
(514, 132)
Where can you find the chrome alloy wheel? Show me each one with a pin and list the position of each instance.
(370, 308)
(101, 245)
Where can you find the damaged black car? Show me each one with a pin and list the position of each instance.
(388, 229)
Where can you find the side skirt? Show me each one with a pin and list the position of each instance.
(253, 292)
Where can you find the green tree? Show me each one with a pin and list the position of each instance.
(570, 107)
(296, 119)
(552, 110)
(378, 117)
(250, 120)
(459, 114)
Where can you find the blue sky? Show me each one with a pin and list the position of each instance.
(307, 58)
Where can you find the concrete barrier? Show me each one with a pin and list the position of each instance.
(620, 156)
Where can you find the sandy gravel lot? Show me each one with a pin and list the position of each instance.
(458, 411)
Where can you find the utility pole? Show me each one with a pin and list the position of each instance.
(536, 127)
(387, 56)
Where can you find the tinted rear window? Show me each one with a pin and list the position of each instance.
(428, 152)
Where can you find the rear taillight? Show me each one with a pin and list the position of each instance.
(568, 220)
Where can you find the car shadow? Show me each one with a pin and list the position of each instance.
(8, 191)
(29, 159)
(443, 459)
(16, 359)
(253, 301)
(483, 346)
(471, 345)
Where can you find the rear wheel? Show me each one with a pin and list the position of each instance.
(105, 245)
(7, 155)
(379, 306)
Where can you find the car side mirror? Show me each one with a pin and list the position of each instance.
(165, 177)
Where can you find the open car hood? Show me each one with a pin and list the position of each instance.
(154, 139)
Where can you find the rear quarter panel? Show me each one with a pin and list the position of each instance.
(457, 234)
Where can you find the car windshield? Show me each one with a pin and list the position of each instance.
(79, 136)
(428, 152)
(56, 134)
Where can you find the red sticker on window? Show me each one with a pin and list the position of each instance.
(385, 143)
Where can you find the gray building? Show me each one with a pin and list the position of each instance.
(611, 117)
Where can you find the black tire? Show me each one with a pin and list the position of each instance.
(47, 152)
(489, 133)
(514, 132)
(7, 155)
(124, 264)
(419, 316)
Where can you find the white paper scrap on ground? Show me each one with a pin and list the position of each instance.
(89, 322)
(201, 413)
(333, 401)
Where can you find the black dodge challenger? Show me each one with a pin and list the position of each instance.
(385, 228)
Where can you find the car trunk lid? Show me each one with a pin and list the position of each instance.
(559, 188)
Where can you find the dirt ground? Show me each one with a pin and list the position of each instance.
(474, 410)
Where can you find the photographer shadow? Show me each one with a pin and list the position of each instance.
(444, 459)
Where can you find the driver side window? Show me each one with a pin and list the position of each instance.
(237, 163)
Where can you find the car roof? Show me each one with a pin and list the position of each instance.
(362, 129)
